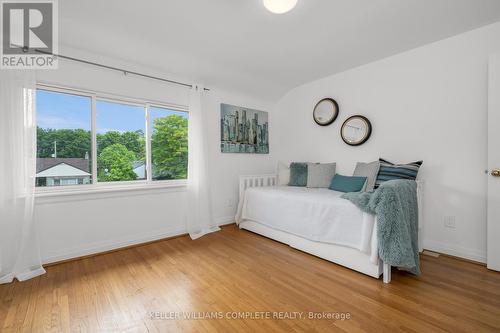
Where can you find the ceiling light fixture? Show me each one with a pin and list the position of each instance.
(279, 6)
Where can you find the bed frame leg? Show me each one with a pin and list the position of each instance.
(387, 273)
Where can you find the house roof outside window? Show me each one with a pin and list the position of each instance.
(62, 167)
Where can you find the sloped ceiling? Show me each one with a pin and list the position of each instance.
(238, 44)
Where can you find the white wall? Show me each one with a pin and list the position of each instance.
(82, 224)
(429, 103)
(226, 168)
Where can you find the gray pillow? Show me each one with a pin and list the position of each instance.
(320, 175)
(368, 170)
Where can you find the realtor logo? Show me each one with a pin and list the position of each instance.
(29, 34)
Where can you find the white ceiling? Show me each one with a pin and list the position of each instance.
(238, 44)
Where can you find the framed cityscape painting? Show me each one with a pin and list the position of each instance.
(243, 130)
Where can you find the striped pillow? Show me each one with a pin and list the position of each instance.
(390, 171)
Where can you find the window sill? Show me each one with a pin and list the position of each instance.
(116, 189)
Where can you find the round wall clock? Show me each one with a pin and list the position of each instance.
(356, 130)
(325, 112)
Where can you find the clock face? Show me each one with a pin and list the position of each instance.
(356, 130)
(325, 112)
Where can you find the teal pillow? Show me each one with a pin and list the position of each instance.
(347, 183)
(298, 174)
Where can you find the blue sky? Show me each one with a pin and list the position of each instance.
(64, 111)
(119, 117)
(60, 111)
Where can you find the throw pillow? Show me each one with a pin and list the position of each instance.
(320, 175)
(390, 171)
(298, 174)
(368, 170)
(283, 174)
(347, 183)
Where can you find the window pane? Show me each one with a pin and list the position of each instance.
(63, 139)
(121, 145)
(169, 143)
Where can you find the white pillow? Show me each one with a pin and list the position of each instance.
(283, 174)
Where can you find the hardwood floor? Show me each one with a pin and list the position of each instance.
(235, 271)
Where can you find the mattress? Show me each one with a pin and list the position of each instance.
(319, 215)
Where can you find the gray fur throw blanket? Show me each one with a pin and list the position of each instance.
(395, 205)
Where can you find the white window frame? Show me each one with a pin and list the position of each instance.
(95, 186)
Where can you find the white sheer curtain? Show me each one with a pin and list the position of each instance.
(19, 252)
(199, 216)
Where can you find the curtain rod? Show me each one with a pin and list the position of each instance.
(124, 71)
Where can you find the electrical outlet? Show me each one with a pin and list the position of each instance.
(230, 202)
(449, 222)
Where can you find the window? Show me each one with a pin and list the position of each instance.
(121, 145)
(88, 139)
(64, 144)
(169, 143)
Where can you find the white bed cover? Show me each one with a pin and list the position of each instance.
(316, 214)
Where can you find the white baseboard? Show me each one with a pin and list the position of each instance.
(456, 251)
(100, 247)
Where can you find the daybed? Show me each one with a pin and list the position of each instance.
(316, 221)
